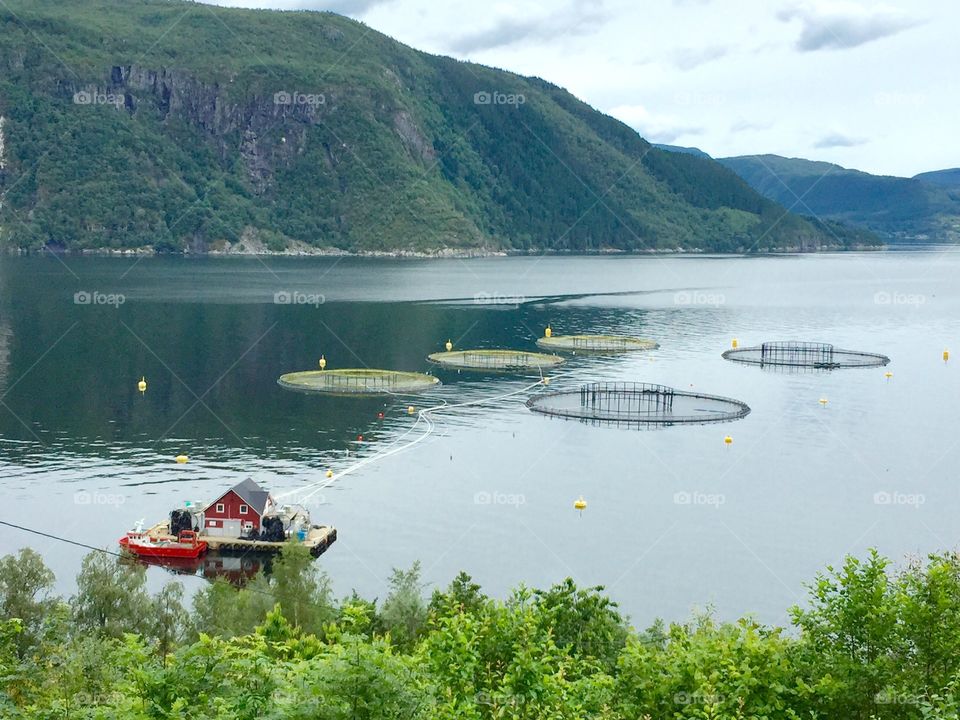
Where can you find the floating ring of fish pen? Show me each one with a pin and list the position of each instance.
(804, 355)
(495, 360)
(358, 381)
(596, 343)
(641, 404)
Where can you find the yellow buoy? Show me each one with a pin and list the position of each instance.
(449, 346)
(728, 440)
(546, 381)
(548, 332)
(181, 459)
(823, 401)
(946, 355)
(323, 363)
(329, 473)
(888, 374)
(411, 410)
(580, 504)
(142, 385)
(734, 343)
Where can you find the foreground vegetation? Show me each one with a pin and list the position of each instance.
(869, 643)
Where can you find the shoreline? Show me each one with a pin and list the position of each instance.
(443, 254)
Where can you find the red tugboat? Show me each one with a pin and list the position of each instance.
(186, 545)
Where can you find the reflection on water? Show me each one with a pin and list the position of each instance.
(84, 455)
(236, 569)
(5, 334)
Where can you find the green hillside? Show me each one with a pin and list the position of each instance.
(681, 149)
(179, 126)
(906, 208)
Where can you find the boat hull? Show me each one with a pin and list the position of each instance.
(165, 550)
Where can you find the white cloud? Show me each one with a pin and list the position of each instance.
(653, 127)
(838, 140)
(831, 25)
(521, 24)
(689, 58)
(744, 125)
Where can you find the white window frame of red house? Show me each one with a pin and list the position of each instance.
(243, 509)
(221, 508)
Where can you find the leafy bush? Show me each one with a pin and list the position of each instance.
(870, 642)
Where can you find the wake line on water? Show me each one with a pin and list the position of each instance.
(548, 299)
(424, 416)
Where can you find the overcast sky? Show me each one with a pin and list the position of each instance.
(868, 85)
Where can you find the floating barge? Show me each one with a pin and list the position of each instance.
(317, 539)
(244, 519)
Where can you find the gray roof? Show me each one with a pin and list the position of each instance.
(252, 494)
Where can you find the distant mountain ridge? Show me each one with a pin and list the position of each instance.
(683, 150)
(924, 208)
(171, 126)
(944, 178)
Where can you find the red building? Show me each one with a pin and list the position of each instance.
(238, 511)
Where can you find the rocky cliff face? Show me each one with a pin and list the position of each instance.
(266, 131)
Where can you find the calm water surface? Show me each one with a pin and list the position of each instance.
(675, 518)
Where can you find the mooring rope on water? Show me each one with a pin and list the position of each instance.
(423, 415)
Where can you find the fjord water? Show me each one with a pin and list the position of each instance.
(675, 518)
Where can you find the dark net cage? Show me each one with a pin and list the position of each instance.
(637, 404)
(810, 355)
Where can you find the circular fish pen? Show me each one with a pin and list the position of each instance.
(495, 360)
(595, 343)
(358, 381)
(804, 355)
(637, 404)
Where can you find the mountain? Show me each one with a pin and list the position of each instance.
(178, 126)
(943, 178)
(680, 149)
(904, 208)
